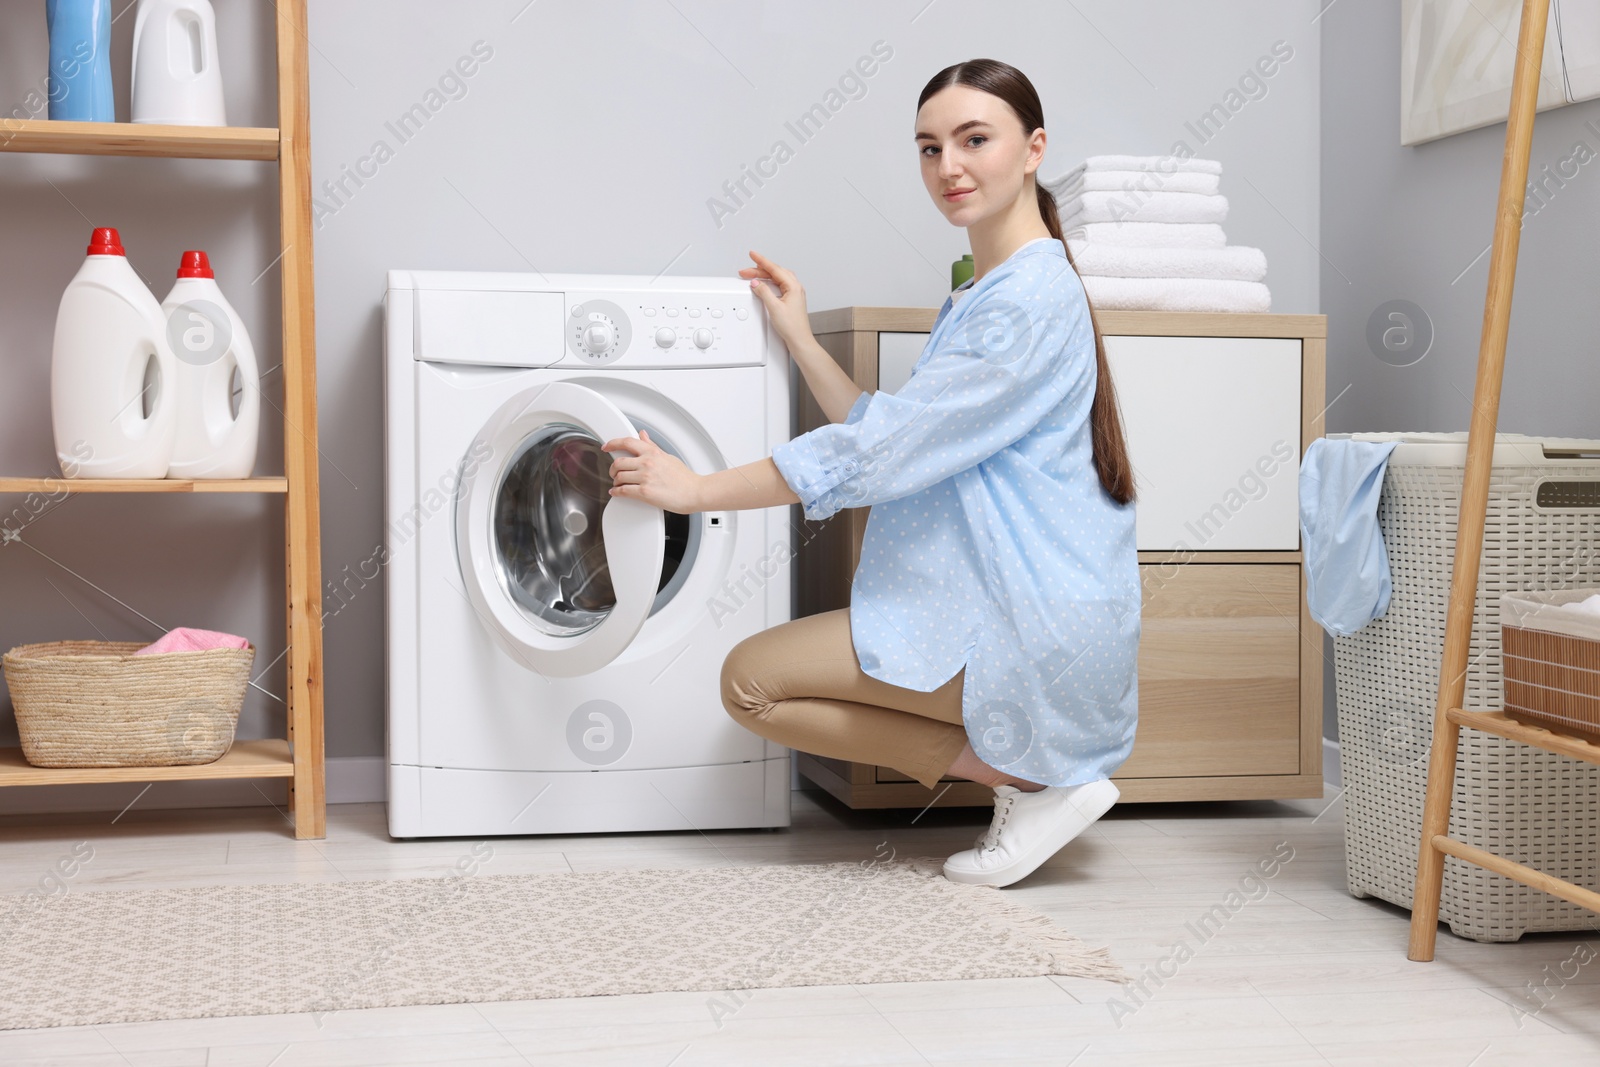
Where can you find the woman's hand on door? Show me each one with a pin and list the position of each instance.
(646, 472)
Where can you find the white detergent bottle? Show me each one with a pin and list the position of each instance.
(112, 401)
(218, 381)
(176, 79)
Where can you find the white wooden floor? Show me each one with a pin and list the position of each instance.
(1304, 975)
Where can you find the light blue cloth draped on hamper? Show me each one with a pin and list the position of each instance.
(1347, 565)
(991, 544)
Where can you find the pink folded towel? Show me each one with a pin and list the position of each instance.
(184, 639)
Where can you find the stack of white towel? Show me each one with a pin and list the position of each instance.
(1145, 233)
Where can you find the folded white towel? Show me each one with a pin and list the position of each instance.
(1235, 262)
(1141, 207)
(1175, 294)
(1183, 181)
(1164, 164)
(1149, 234)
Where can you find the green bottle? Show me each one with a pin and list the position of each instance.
(961, 271)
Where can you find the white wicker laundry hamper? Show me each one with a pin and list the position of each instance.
(1535, 807)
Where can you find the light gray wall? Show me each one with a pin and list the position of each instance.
(1405, 223)
(590, 140)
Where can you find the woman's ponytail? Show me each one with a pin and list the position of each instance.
(1105, 421)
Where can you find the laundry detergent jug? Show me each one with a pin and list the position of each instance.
(218, 383)
(176, 79)
(112, 400)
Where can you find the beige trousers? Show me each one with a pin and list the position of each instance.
(800, 684)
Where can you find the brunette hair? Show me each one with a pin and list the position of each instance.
(1105, 423)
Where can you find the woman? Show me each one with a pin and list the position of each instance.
(994, 616)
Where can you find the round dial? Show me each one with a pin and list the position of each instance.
(598, 336)
(703, 338)
(666, 337)
(598, 332)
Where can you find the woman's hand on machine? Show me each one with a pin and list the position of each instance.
(646, 472)
(781, 293)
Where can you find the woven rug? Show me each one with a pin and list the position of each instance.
(127, 956)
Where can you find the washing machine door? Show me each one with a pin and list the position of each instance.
(561, 573)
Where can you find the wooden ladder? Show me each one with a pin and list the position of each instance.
(1449, 716)
(299, 755)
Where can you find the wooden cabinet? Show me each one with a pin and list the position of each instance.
(1218, 410)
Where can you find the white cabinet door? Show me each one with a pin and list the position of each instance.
(1213, 429)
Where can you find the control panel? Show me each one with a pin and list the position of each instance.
(669, 330)
(505, 320)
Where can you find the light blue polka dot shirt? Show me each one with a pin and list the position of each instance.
(991, 544)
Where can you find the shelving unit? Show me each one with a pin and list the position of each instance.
(1449, 715)
(299, 756)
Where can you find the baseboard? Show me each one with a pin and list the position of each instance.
(350, 780)
(1330, 764)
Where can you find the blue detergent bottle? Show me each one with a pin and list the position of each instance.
(80, 60)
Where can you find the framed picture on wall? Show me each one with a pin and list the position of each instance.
(1457, 57)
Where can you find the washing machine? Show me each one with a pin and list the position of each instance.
(553, 653)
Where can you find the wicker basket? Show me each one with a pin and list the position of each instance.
(1552, 662)
(1535, 807)
(95, 704)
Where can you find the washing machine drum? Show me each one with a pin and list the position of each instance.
(561, 573)
(547, 522)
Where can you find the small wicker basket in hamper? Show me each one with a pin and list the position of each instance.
(95, 704)
(1551, 661)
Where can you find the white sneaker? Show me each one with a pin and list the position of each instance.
(1029, 828)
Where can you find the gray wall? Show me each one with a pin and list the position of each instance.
(1405, 223)
(590, 140)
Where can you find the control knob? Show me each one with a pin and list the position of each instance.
(598, 337)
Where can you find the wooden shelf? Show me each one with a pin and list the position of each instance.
(143, 485)
(1497, 722)
(129, 139)
(268, 758)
